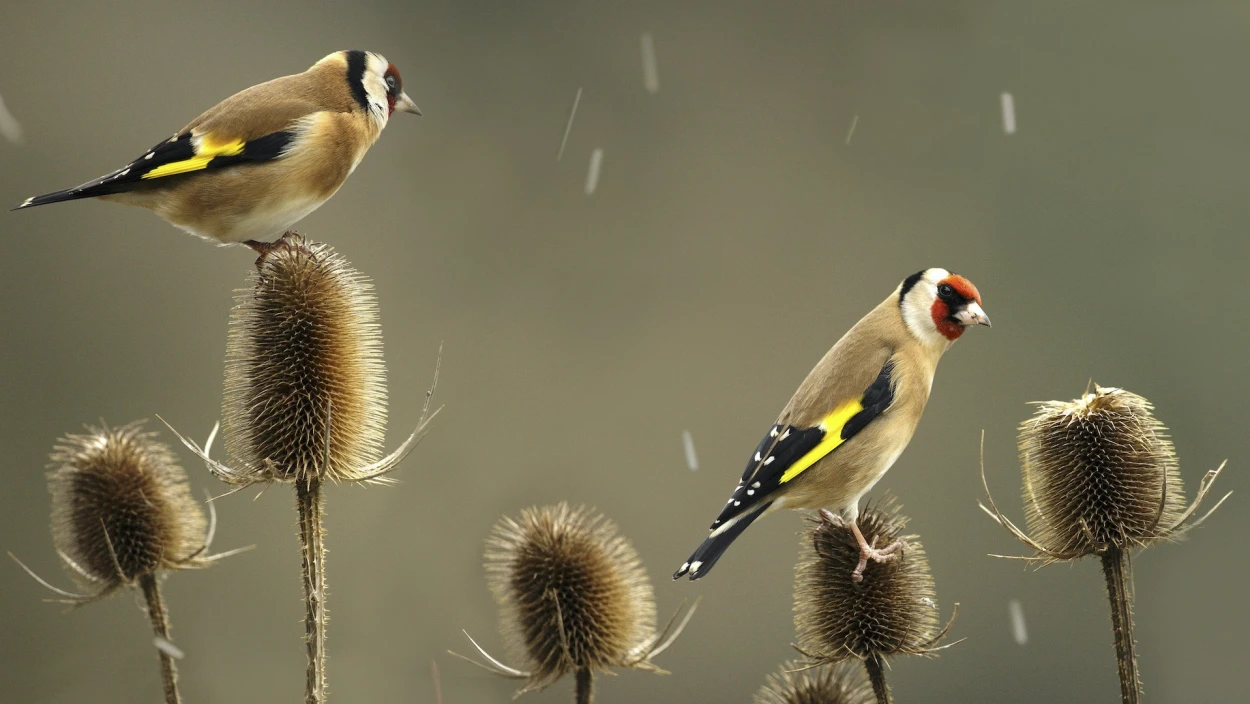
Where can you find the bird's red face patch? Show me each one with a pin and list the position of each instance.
(394, 87)
(954, 292)
(963, 287)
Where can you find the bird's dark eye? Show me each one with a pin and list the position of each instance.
(391, 84)
(946, 291)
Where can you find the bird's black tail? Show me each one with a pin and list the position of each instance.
(83, 191)
(705, 557)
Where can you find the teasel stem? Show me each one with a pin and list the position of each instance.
(160, 626)
(875, 664)
(1115, 566)
(585, 686)
(312, 563)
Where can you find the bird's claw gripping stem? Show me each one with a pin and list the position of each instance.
(867, 551)
(870, 552)
(264, 249)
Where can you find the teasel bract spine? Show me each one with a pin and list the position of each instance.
(573, 598)
(305, 401)
(1101, 477)
(122, 515)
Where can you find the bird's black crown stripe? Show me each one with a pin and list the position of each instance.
(908, 284)
(356, 66)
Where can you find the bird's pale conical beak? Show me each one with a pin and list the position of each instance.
(405, 104)
(972, 314)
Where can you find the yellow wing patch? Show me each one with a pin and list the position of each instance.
(205, 152)
(832, 425)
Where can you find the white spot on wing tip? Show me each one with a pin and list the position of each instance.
(750, 492)
(769, 460)
(694, 566)
(737, 503)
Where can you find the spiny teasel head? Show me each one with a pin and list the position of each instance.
(305, 382)
(1098, 471)
(573, 596)
(121, 507)
(799, 683)
(892, 611)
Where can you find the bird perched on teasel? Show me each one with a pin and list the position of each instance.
(852, 416)
(251, 167)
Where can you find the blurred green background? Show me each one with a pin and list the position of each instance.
(733, 237)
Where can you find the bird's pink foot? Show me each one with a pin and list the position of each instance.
(288, 239)
(870, 552)
(827, 516)
(264, 249)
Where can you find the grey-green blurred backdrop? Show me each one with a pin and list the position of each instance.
(733, 237)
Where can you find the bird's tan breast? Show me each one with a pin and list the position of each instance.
(842, 476)
(846, 473)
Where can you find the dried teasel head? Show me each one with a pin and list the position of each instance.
(121, 506)
(122, 511)
(893, 611)
(1099, 472)
(573, 596)
(797, 683)
(305, 383)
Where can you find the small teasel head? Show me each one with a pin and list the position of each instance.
(305, 382)
(572, 591)
(800, 683)
(573, 597)
(892, 611)
(1099, 471)
(121, 507)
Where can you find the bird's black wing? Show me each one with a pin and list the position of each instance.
(180, 154)
(786, 452)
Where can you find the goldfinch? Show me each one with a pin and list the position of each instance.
(259, 161)
(852, 416)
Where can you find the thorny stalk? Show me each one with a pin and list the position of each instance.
(1115, 567)
(875, 664)
(585, 686)
(312, 564)
(160, 627)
